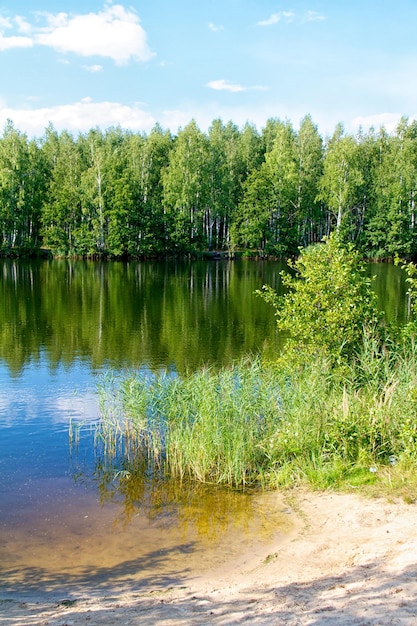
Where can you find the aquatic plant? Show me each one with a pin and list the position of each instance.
(335, 407)
(208, 426)
(268, 424)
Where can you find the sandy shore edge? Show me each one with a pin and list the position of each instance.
(349, 560)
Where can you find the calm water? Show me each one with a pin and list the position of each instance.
(64, 524)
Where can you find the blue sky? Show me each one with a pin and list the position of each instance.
(88, 63)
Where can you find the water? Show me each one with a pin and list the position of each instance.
(66, 522)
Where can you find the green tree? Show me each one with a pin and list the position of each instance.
(148, 157)
(342, 179)
(309, 158)
(250, 228)
(281, 165)
(229, 163)
(392, 226)
(18, 206)
(266, 216)
(62, 207)
(118, 192)
(329, 301)
(91, 234)
(186, 189)
(368, 163)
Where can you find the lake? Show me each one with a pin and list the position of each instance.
(64, 523)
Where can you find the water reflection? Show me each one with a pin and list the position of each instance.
(138, 532)
(130, 314)
(70, 521)
(67, 517)
(208, 510)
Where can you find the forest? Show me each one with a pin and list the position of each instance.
(120, 194)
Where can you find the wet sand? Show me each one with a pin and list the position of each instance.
(344, 560)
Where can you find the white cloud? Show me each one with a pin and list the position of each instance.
(388, 120)
(175, 118)
(5, 23)
(81, 407)
(22, 25)
(7, 43)
(258, 114)
(224, 85)
(216, 28)
(114, 32)
(79, 116)
(290, 16)
(93, 68)
(313, 16)
(239, 114)
(287, 16)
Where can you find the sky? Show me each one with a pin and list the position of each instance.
(101, 63)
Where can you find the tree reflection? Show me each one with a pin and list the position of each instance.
(207, 511)
(158, 313)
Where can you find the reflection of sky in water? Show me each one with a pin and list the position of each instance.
(36, 409)
(47, 397)
(60, 531)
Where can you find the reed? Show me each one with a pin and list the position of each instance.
(270, 424)
(337, 407)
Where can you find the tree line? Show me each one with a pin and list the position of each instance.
(117, 193)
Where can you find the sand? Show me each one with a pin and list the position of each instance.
(347, 560)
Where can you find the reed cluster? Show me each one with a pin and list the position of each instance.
(337, 407)
(276, 425)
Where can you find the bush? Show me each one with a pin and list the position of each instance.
(329, 301)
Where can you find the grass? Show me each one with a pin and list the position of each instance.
(294, 422)
(336, 410)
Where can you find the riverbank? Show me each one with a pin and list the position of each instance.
(347, 560)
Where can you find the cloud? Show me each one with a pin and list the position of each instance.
(224, 85)
(290, 16)
(13, 41)
(7, 43)
(215, 28)
(240, 114)
(313, 16)
(93, 68)
(79, 116)
(287, 16)
(80, 407)
(114, 32)
(22, 25)
(388, 120)
(5, 23)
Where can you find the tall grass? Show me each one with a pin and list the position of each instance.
(271, 424)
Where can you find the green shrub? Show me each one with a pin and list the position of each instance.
(338, 407)
(329, 301)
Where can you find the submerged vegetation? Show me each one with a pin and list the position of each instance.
(337, 407)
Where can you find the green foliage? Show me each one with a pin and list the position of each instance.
(185, 184)
(208, 426)
(329, 301)
(342, 178)
(273, 425)
(409, 331)
(117, 193)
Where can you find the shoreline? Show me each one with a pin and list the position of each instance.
(347, 560)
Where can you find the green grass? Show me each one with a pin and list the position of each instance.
(294, 422)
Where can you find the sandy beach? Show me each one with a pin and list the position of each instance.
(346, 560)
